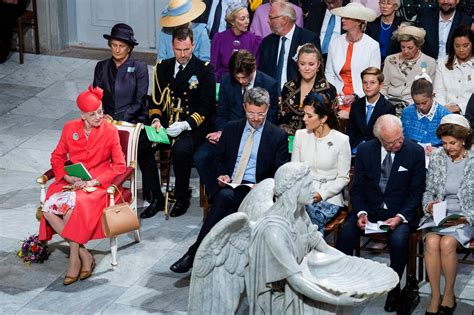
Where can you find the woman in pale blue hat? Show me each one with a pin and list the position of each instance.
(180, 14)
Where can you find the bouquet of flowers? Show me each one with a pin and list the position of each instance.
(32, 250)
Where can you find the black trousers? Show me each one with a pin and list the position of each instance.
(182, 153)
(204, 160)
(147, 164)
(226, 202)
(398, 240)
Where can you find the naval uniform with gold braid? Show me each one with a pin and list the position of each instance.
(189, 97)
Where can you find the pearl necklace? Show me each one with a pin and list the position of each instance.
(385, 29)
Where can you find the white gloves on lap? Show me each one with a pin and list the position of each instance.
(177, 128)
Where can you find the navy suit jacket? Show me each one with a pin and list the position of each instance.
(429, 19)
(357, 129)
(125, 95)
(230, 105)
(269, 51)
(404, 189)
(272, 151)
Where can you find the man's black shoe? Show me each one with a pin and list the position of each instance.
(183, 264)
(180, 207)
(392, 300)
(155, 206)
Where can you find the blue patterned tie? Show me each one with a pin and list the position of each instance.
(281, 60)
(370, 109)
(327, 36)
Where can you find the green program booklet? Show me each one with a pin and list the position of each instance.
(78, 170)
(154, 136)
(290, 143)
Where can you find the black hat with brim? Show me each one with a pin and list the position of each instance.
(122, 32)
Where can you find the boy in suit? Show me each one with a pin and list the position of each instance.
(365, 111)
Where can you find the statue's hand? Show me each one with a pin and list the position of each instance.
(345, 299)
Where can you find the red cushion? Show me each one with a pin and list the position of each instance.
(124, 136)
(127, 195)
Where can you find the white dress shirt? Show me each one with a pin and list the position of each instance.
(337, 26)
(443, 30)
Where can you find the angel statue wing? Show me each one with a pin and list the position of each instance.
(258, 200)
(217, 278)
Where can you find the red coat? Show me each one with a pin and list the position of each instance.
(102, 156)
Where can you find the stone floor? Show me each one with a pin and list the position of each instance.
(36, 98)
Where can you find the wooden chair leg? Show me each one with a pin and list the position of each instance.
(37, 43)
(35, 27)
(421, 271)
(21, 42)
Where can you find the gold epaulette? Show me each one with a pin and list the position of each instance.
(198, 118)
(151, 112)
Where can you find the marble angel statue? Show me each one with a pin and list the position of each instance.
(272, 251)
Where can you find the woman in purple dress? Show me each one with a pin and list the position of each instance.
(234, 38)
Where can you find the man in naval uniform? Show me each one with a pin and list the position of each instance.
(183, 100)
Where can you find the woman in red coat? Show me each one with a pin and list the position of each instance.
(69, 209)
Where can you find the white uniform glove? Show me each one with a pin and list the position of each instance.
(177, 128)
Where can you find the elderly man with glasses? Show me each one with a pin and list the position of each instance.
(249, 151)
(277, 49)
(388, 186)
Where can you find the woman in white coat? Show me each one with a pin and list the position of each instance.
(328, 153)
(350, 53)
(454, 81)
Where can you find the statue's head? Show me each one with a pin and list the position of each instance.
(292, 180)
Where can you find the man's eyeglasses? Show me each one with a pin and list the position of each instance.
(398, 140)
(253, 115)
(271, 18)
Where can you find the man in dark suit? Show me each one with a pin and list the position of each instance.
(184, 95)
(243, 74)
(365, 111)
(318, 21)
(277, 50)
(249, 151)
(440, 24)
(386, 191)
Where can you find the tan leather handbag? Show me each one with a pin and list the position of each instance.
(119, 219)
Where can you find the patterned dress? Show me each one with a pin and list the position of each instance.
(290, 114)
